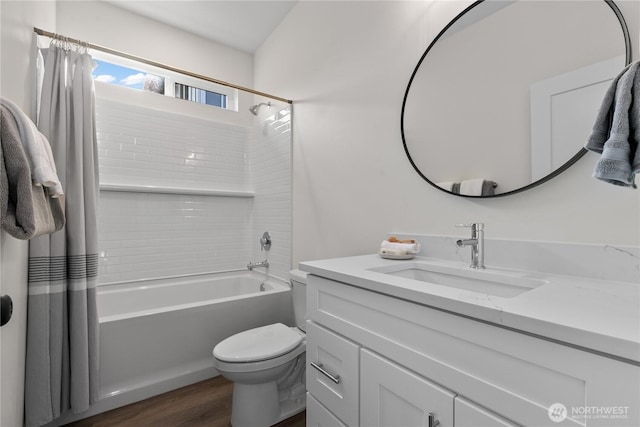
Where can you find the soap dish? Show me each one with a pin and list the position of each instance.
(396, 257)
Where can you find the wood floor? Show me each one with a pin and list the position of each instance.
(207, 404)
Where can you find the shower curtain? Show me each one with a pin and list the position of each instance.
(62, 328)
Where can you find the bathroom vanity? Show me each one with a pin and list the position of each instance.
(429, 342)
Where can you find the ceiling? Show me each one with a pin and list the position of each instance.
(241, 24)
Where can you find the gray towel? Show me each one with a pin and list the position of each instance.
(37, 150)
(488, 188)
(616, 131)
(26, 210)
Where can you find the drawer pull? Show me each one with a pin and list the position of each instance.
(335, 379)
(433, 422)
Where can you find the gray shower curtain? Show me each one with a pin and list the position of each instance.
(62, 328)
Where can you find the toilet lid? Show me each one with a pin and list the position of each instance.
(265, 342)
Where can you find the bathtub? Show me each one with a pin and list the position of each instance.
(159, 335)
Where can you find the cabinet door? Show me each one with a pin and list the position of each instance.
(319, 416)
(332, 372)
(468, 414)
(393, 396)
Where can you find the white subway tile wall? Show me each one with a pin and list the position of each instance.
(151, 147)
(270, 165)
(144, 235)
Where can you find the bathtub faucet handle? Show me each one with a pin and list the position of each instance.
(265, 242)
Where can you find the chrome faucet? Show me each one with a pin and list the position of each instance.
(476, 242)
(265, 245)
(253, 265)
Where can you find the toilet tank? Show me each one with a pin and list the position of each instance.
(299, 293)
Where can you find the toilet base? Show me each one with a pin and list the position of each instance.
(263, 405)
(292, 405)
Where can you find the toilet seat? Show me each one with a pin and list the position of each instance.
(262, 365)
(258, 344)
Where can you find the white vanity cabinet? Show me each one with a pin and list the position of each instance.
(400, 361)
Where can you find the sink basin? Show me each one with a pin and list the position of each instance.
(505, 284)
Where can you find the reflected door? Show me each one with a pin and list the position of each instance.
(563, 110)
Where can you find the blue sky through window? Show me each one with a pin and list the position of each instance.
(119, 75)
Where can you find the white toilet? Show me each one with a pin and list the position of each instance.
(267, 366)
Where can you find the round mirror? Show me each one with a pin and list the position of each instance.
(505, 96)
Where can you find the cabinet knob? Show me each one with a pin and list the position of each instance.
(433, 421)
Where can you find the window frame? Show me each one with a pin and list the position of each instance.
(172, 77)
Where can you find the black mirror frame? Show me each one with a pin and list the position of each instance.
(558, 171)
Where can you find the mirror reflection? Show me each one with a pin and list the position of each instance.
(506, 96)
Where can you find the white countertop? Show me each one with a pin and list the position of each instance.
(602, 316)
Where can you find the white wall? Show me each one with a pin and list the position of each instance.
(346, 66)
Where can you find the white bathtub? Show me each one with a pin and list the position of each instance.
(159, 335)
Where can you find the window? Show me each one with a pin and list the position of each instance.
(137, 75)
(200, 96)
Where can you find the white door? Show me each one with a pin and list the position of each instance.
(13, 282)
(393, 396)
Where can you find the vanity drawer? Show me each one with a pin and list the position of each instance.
(333, 372)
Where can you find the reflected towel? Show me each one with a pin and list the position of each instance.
(37, 149)
(477, 187)
(470, 187)
(25, 209)
(616, 131)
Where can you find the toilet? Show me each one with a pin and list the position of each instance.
(267, 366)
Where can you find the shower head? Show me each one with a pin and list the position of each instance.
(254, 109)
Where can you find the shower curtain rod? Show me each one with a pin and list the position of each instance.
(41, 32)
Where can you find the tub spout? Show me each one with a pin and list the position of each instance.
(253, 265)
